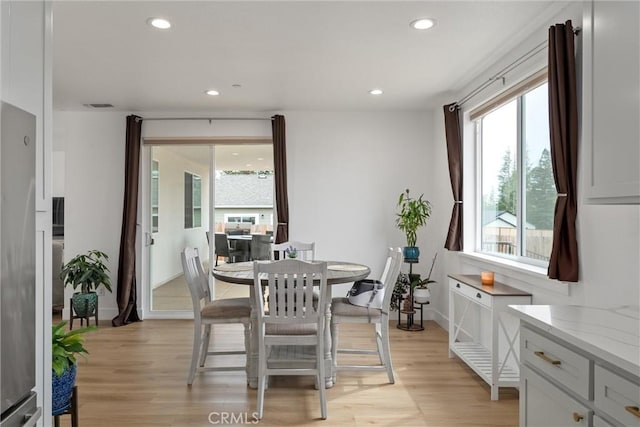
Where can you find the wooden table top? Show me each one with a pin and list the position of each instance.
(497, 289)
(241, 273)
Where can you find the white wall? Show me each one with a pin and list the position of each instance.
(346, 172)
(608, 235)
(94, 184)
(26, 83)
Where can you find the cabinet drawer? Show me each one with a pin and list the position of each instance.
(472, 293)
(556, 361)
(617, 396)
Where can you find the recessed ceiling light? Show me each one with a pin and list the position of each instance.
(212, 92)
(423, 23)
(375, 92)
(159, 23)
(260, 158)
(249, 165)
(234, 154)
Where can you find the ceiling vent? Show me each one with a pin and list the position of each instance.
(98, 105)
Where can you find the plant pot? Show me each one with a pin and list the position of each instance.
(411, 253)
(421, 295)
(84, 305)
(61, 390)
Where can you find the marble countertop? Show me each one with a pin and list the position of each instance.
(612, 334)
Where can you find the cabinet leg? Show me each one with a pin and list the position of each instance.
(494, 392)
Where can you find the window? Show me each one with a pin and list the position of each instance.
(516, 178)
(246, 218)
(192, 200)
(155, 176)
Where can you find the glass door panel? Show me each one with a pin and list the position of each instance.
(180, 218)
(188, 204)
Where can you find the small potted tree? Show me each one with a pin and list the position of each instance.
(64, 348)
(413, 214)
(87, 272)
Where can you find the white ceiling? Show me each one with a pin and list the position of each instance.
(287, 55)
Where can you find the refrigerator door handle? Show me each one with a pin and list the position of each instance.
(30, 420)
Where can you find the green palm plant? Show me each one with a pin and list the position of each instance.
(413, 214)
(65, 345)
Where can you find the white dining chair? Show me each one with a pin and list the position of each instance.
(344, 312)
(291, 320)
(207, 312)
(305, 251)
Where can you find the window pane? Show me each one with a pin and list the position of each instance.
(197, 217)
(499, 136)
(155, 175)
(197, 189)
(188, 200)
(540, 190)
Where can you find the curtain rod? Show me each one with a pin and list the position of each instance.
(210, 119)
(500, 75)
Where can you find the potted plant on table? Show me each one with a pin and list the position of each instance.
(64, 348)
(413, 214)
(87, 272)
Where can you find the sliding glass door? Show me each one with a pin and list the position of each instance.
(192, 193)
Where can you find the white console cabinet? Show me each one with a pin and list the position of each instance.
(580, 366)
(470, 303)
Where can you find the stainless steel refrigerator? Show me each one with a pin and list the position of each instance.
(17, 268)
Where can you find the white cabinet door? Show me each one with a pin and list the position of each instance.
(610, 126)
(599, 422)
(542, 404)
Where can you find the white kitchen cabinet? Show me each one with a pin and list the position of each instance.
(579, 366)
(610, 125)
(547, 405)
(467, 299)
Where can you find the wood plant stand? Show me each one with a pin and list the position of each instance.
(86, 317)
(73, 410)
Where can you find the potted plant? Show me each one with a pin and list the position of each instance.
(291, 252)
(413, 215)
(400, 290)
(87, 272)
(64, 348)
(412, 282)
(421, 292)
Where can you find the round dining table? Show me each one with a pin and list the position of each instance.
(241, 273)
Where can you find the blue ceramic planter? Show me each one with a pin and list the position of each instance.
(61, 390)
(85, 304)
(411, 253)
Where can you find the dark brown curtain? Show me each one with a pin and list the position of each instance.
(563, 123)
(280, 171)
(126, 286)
(454, 154)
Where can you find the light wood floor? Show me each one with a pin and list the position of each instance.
(174, 295)
(136, 376)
